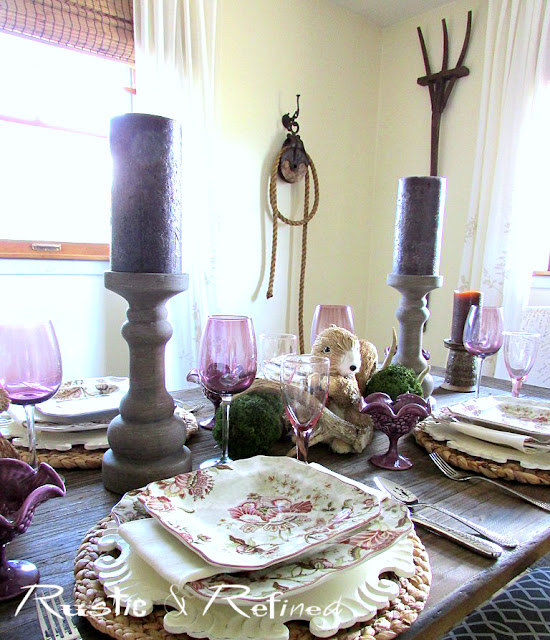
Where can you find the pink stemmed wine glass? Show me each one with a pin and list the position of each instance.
(227, 365)
(304, 388)
(30, 368)
(483, 334)
(327, 314)
(520, 352)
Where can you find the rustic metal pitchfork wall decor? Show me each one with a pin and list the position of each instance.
(441, 84)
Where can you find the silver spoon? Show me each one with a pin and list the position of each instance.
(405, 496)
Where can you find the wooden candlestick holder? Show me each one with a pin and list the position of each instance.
(412, 314)
(461, 369)
(147, 441)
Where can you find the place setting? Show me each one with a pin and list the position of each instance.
(70, 429)
(505, 436)
(278, 540)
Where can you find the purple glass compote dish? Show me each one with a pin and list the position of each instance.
(23, 489)
(395, 419)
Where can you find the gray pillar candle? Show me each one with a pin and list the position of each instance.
(146, 194)
(419, 226)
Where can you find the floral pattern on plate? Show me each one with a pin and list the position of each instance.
(391, 525)
(257, 512)
(95, 399)
(521, 415)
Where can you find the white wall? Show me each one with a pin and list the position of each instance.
(86, 316)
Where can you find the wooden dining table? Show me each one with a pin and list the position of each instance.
(461, 579)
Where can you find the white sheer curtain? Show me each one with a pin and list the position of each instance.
(508, 216)
(175, 54)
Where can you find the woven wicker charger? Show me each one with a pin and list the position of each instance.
(388, 623)
(78, 457)
(75, 458)
(511, 471)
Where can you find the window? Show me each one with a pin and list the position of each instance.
(54, 150)
(532, 176)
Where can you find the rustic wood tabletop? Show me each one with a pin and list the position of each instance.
(461, 581)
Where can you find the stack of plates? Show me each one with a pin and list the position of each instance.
(78, 414)
(250, 545)
(497, 428)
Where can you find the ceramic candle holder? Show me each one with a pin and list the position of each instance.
(23, 489)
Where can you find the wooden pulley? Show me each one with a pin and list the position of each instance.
(294, 161)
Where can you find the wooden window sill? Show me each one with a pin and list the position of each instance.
(541, 273)
(40, 250)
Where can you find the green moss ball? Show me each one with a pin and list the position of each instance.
(255, 424)
(394, 380)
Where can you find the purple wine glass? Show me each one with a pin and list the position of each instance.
(520, 353)
(327, 314)
(227, 365)
(30, 368)
(304, 387)
(483, 334)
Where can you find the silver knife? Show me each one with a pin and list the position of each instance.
(471, 542)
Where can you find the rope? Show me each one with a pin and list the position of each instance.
(277, 215)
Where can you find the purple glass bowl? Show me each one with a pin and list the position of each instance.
(395, 419)
(22, 489)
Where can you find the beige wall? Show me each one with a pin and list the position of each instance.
(403, 149)
(365, 123)
(270, 50)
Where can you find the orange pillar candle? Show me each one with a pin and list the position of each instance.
(462, 301)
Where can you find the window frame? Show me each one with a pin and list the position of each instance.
(51, 250)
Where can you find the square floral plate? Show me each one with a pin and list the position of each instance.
(257, 512)
(88, 400)
(299, 575)
(518, 415)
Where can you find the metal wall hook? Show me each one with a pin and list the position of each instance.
(289, 122)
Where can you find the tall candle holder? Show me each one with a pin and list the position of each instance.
(412, 315)
(416, 256)
(147, 441)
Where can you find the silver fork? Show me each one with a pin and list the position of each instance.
(455, 474)
(55, 627)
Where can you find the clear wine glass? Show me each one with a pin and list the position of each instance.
(520, 352)
(30, 368)
(227, 365)
(304, 388)
(483, 334)
(327, 314)
(272, 348)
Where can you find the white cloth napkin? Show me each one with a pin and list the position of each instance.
(488, 450)
(527, 444)
(164, 553)
(62, 440)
